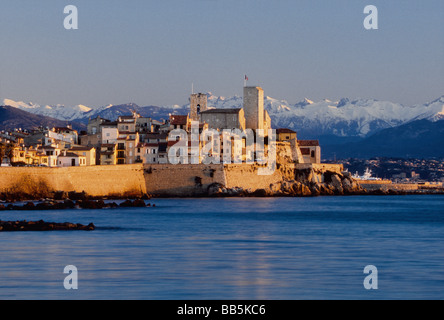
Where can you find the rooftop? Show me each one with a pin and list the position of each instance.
(308, 143)
(285, 130)
(178, 120)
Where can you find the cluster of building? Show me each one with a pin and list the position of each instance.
(136, 139)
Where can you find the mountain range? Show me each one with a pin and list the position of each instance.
(337, 124)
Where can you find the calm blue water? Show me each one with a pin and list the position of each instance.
(291, 248)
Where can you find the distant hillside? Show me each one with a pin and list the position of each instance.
(418, 139)
(12, 118)
(113, 112)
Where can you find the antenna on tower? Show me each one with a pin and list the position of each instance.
(192, 87)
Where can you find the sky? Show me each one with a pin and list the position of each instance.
(151, 52)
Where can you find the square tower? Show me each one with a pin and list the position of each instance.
(254, 107)
(198, 104)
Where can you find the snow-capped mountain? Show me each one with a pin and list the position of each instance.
(58, 112)
(344, 118)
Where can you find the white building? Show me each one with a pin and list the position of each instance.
(69, 159)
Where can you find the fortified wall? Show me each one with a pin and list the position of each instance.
(158, 180)
(94, 180)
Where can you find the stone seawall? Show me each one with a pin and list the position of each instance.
(182, 180)
(94, 180)
(176, 180)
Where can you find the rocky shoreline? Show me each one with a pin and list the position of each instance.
(334, 185)
(50, 204)
(8, 226)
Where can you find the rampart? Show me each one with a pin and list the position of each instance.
(94, 180)
(157, 180)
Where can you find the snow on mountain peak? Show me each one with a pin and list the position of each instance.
(346, 117)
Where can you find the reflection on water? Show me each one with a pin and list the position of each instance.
(301, 248)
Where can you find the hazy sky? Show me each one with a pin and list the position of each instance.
(150, 52)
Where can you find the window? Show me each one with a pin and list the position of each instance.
(154, 151)
(312, 154)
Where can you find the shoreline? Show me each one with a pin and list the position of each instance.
(90, 202)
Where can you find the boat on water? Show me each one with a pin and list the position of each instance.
(367, 176)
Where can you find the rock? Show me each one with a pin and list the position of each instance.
(315, 189)
(126, 204)
(215, 189)
(275, 187)
(347, 175)
(139, 203)
(29, 206)
(336, 183)
(42, 226)
(260, 193)
(306, 192)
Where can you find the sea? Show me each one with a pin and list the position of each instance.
(233, 249)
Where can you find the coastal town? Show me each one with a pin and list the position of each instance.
(132, 139)
(241, 137)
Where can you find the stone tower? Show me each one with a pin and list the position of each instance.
(198, 104)
(254, 107)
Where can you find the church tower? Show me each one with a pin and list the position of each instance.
(198, 104)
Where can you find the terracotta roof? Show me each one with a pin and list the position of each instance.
(172, 143)
(69, 155)
(83, 148)
(308, 143)
(178, 120)
(284, 130)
